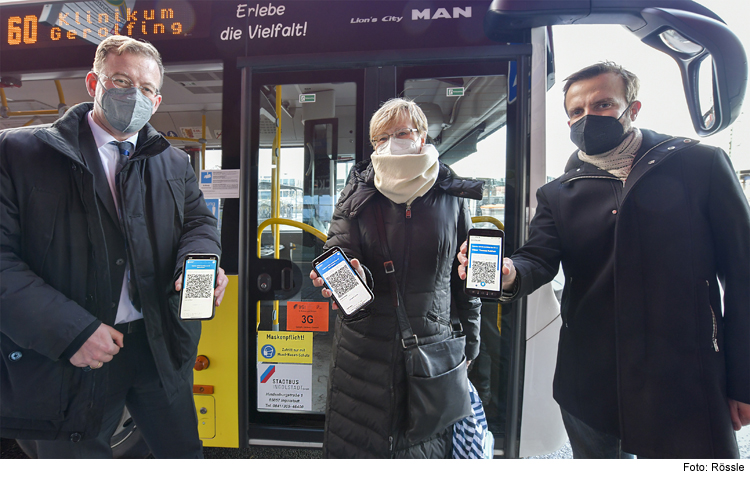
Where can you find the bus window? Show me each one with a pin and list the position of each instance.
(467, 123)
(315, 154)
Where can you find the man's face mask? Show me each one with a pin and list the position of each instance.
(126, 109)
(398, 147)
(594, 134)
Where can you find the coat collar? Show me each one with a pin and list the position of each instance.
(361, 187)
(654, 150)
(63, 136)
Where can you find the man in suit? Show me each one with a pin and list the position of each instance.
(97, 215)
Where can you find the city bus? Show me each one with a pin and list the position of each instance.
(271, 99)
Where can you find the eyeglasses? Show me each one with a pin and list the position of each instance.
(121, 81)
(402, 133)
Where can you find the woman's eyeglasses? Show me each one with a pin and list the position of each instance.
(403, 133)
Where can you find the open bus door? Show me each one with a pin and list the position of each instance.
(288, 89)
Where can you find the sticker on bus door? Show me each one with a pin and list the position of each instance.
(285, 347)
(286, 387)
(307, 315)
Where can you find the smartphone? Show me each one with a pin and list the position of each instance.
(349, 290)
(484, 275)
(198, 283)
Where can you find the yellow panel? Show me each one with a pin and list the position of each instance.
(219, 343)
(206, 409)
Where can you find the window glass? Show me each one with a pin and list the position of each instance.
(302, 184)
(467, 123)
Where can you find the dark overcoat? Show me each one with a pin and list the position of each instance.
(366, 414)
(648, 350)
(56, 271)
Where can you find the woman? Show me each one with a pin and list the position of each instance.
(426, 218)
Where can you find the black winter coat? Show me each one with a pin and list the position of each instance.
(55, 268)
(366, 413)
(645, 351)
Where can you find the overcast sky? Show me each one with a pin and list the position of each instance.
(664, 107)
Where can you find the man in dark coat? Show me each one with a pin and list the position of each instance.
(647, 227)
(97, 214)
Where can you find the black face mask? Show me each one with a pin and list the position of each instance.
(594, 134)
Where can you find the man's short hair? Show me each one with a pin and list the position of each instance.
(120, 44)
(392, 110)
(630, 80)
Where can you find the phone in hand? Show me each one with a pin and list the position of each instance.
(484, 275)
(198, 282)
(349, 290)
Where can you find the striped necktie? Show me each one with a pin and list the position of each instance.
(125, 149)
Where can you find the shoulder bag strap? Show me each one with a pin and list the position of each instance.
(408, 338)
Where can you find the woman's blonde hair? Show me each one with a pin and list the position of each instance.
(392, 110)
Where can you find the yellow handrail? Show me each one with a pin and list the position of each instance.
(291, 223)
(203, 145)
(488, 219)
(24, 113)
(498, 224)
(198, 141)
(186, 139)
(60, 94)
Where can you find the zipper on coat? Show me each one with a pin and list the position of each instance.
(397, 354)
(714, 334)
(408, 210)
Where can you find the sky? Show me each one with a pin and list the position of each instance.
(664, 106)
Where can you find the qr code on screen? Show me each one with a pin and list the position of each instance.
(483, 272)
(199, 286)
(342, 281)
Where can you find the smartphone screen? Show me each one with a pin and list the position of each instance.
(349, 292)
(484, 271)
(198, 283)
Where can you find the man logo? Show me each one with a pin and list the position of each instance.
(441, 13)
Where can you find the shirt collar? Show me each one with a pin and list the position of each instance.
(102, 137)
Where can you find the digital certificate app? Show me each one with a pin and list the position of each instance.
(484, 263)
(340, 278)
(198, 288)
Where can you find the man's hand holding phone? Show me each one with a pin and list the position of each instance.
(221, 285)
(508, 270)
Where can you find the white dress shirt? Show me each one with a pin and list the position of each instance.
(109, 154)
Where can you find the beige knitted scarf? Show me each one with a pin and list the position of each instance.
(619, 160)
(404, 178)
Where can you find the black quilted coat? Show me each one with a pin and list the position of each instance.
(366, 410)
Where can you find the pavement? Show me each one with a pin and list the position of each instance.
(743, 441)
(9, 449)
